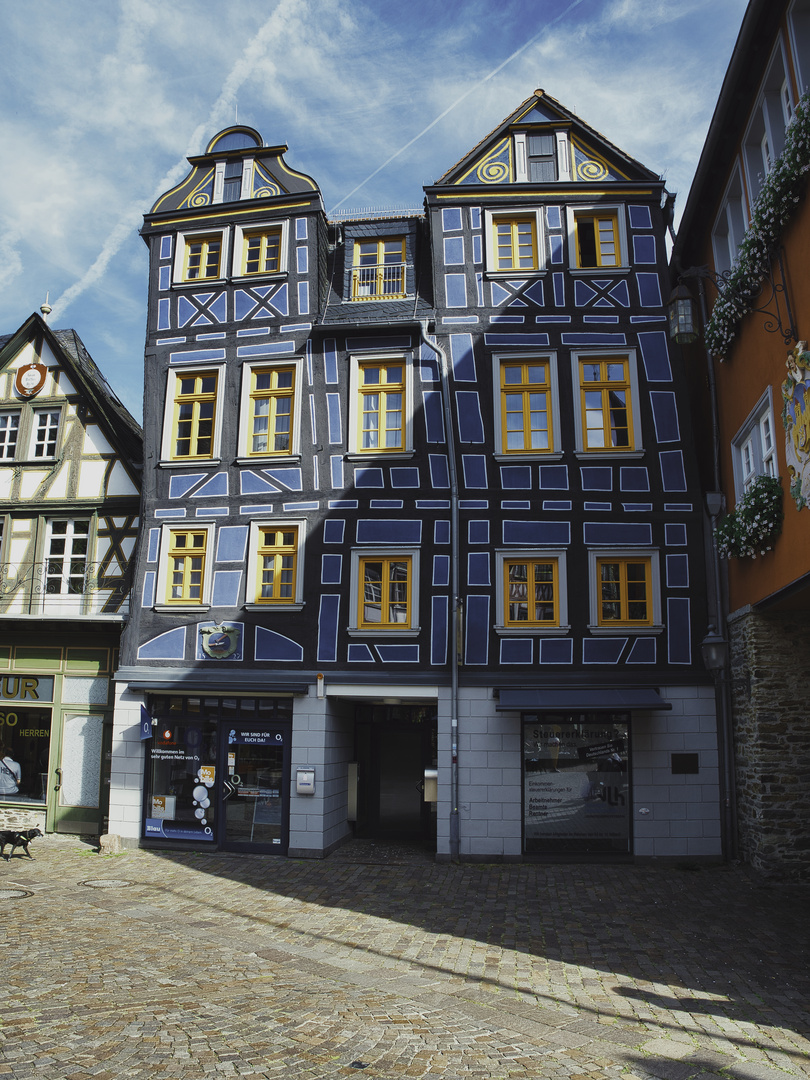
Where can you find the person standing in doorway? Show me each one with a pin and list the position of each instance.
(10, 773)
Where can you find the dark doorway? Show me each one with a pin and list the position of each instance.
(394, 746)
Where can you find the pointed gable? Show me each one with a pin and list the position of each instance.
(542, 142)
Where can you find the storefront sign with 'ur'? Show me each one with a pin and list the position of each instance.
(26, 688)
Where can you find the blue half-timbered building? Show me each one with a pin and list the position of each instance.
(422, 551)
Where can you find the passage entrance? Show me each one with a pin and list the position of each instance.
(394, 744)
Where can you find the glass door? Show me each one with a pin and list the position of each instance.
(255, 787)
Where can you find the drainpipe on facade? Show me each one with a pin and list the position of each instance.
(721, 678)
(454, 607)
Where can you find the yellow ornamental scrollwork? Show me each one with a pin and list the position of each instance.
(203, 192)
(263, 186)
(495, 168)
(590, 166)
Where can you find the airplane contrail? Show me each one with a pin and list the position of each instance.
(466, 94)
(220, 110)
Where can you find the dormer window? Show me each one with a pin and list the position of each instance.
(378, 269)
(542, 158)
(232, 190)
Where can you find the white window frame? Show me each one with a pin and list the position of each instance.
(372, 552)
(503, 555)
(765, 136)
(239, 243)
(32, 433)
(554, 453)
(752, 437)
(798, 21)
(19, 441)
(356, 453)
(653, 555)
(511, 212)
(166, 459)
(571, 214)
(730, 224)
(180, 256)
(294, 454)
(184, 525)
(561, 149)
(297, 603)
(635, 404)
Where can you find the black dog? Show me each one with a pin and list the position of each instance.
(17, 838)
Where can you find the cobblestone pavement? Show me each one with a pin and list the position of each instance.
(378, 964)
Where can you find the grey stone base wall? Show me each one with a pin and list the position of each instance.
(770, 690)
(24, 817)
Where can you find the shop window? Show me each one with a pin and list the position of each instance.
(271, 406)
(625, 591)
(597, 238)
(514, 242)
(183, 573)
(576, 781)
(385, 592)
(380, 420)
(607, 419)
(260, 250)
(379, 269)
(532, 592)
(753, 449)
(527, 418)
(192, 415)
(200, 256)
(275, 576)
(25, 735)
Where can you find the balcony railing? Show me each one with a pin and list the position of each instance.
(61, 589)
(380, 281)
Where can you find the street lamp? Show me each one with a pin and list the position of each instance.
(714, 649)
(684, 327)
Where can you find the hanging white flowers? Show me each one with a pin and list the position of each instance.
(754, 523)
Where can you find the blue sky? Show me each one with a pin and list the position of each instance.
(100, 103)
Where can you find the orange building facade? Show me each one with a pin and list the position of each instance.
(750, 379)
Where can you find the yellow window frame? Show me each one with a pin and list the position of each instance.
(531, 586)
(378, 269)
(185, 576)
(514, 243)
(261, 252)
(609, 398)
(194, 421)
(280, 401)
(602, 232)
(202, 258)
(624, 586)
(383, 589)
(277, 564)
(381, 419)
(523, 417)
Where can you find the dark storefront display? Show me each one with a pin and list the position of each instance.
(218, 772)
(576, 783)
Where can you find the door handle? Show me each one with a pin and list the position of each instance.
(58, 784)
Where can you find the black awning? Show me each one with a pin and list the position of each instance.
(580, 699)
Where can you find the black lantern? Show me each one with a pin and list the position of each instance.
(714, 649)
(683, 317)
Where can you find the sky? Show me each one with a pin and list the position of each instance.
(101, 104)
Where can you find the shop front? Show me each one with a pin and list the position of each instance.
(55, 723)
(217, 772)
